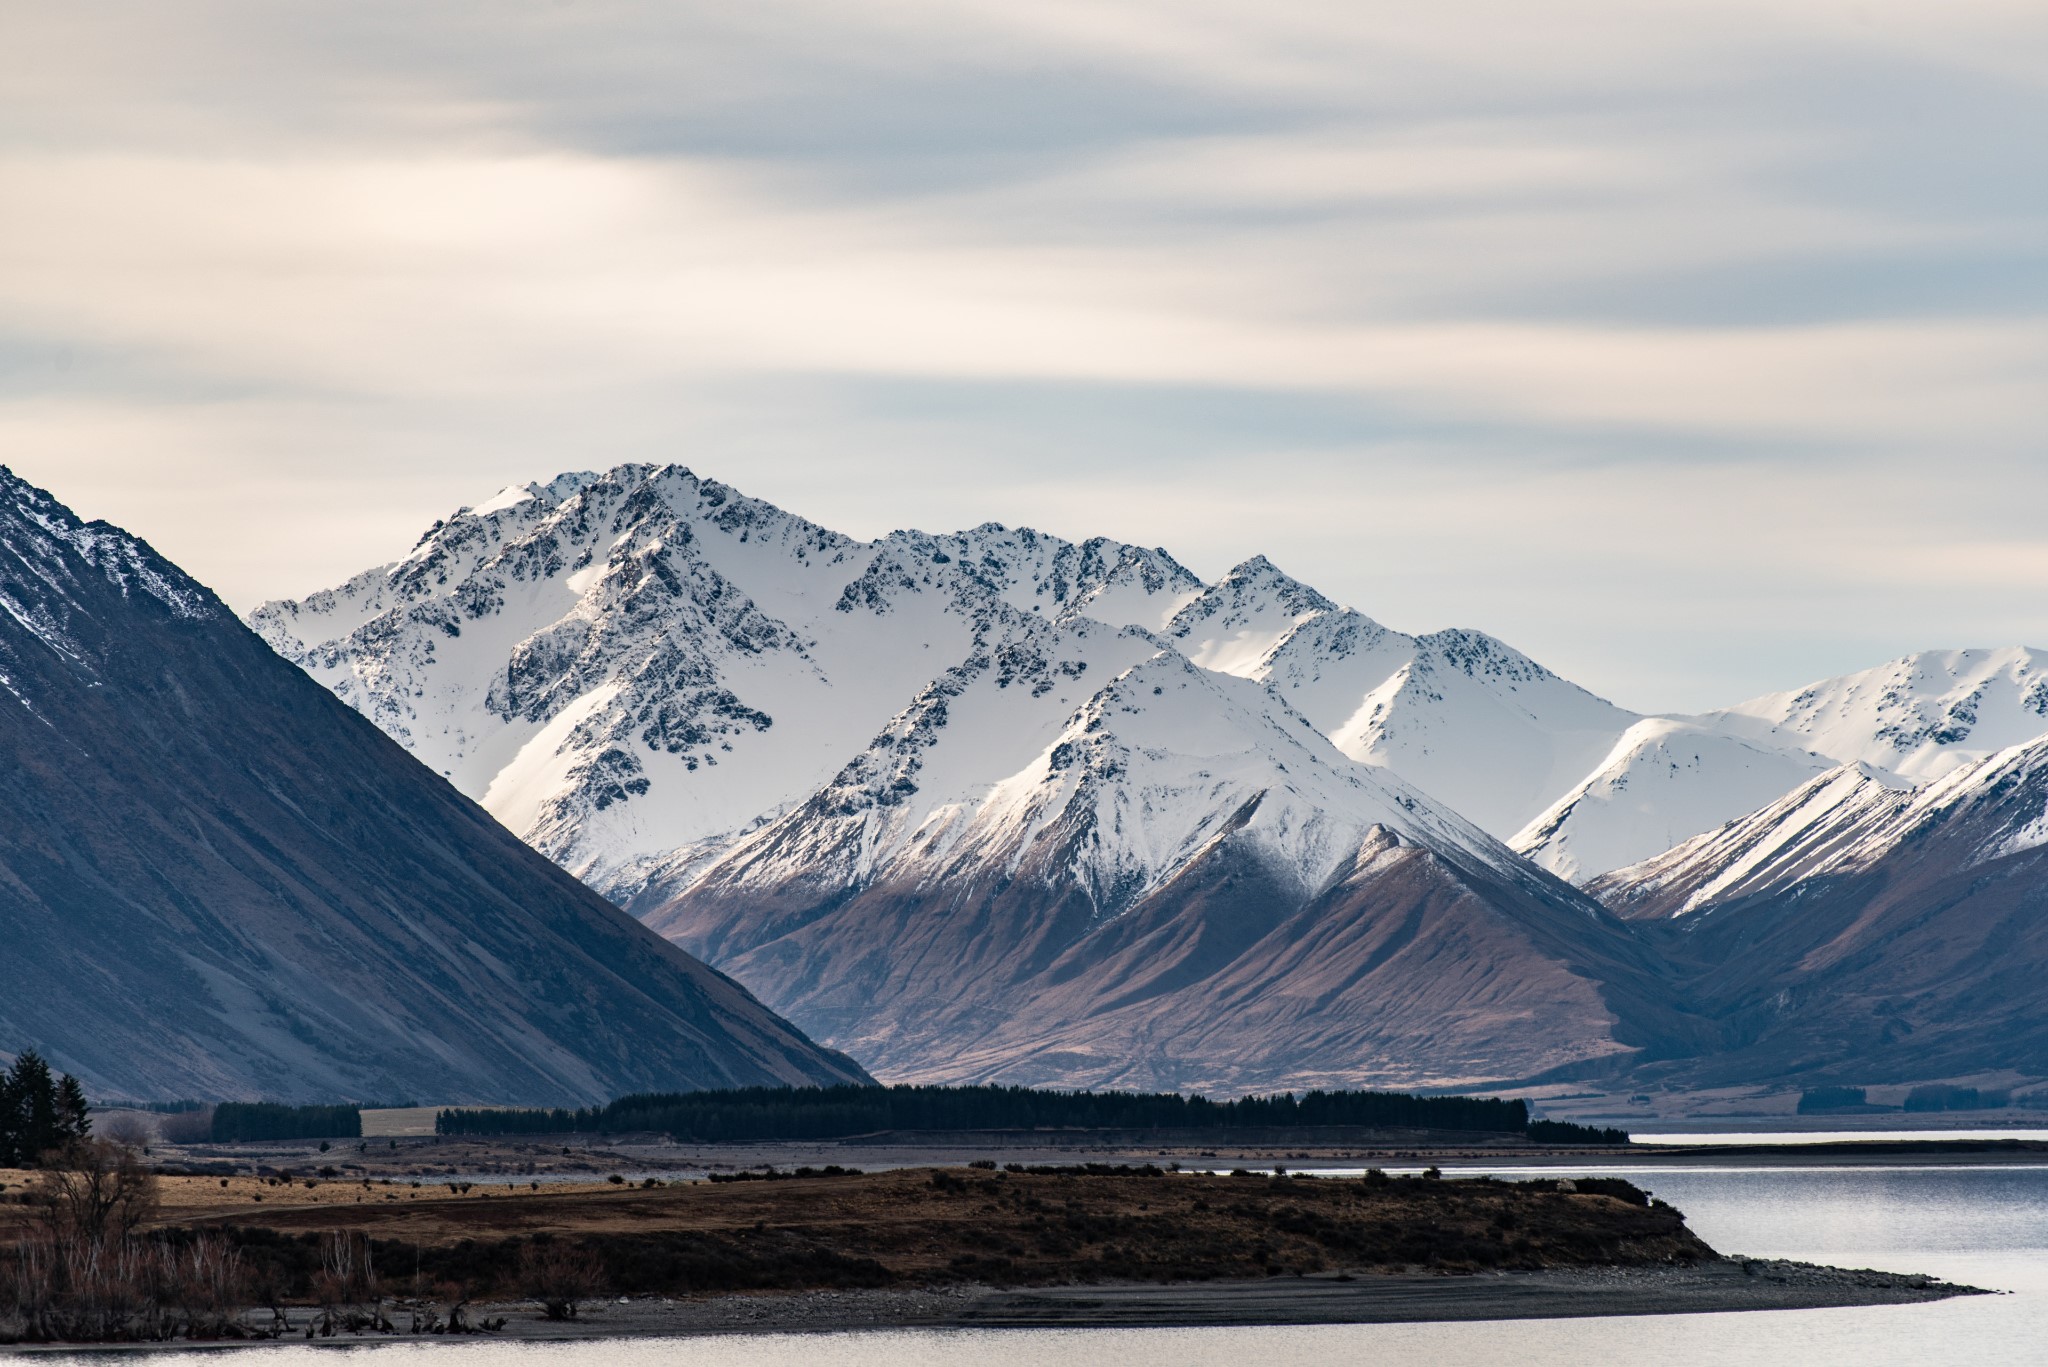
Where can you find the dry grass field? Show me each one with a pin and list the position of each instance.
(921, 1226)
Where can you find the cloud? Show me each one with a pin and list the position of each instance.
(1751, 297)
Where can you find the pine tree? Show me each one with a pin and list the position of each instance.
(74, 1115)
(32, 1108)
(10, 1122)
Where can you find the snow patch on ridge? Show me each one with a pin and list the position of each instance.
(510, 496)
(1919, 716)
(1665, 781)
(1115, 796)
(542, 766)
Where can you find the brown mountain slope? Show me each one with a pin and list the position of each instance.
(1406, 970)
(1866, 935)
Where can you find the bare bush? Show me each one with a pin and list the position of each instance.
(83, 1274)
(558, 1277)
(205, 1281)
(66, 1288)
(346, 1287)
(62, 1288)
(347, 1275)
(187, 1127)
(132, 1129)
(93, 1192)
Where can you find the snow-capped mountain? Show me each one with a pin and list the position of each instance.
(1858, 930)
(734, 720)
(1181, 884)
(1918, 716)
(1664, 780)
(1839, 820)
(996, 804)
(1843, 822)
(623, 666)
(1149, 768)
(1670, 778)
(216, 881)
(1474, 723)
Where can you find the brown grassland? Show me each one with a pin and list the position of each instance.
(1036, 1227)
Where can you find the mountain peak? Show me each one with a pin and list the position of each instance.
(627, 663)
(1919, 715)
(50, 546)
(1261, 573)
(222, 882)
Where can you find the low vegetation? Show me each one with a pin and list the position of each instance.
(918, 1227)
(1928, 1097)
(92, 1265)
(81, 1271)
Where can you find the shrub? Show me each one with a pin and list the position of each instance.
(1565, 1132)
(557, 1276)
(1816, 1100)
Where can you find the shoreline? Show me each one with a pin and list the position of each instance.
(1715, 1287)
(586, 1160)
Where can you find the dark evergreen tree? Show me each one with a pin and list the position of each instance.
(238, 1120)
(10, 1123)
(30, 1125)
(74, 1114)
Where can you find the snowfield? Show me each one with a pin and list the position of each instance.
(645, 673)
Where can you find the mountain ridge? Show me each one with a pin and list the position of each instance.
(197, 918)
(1859, 931)
(796, 753)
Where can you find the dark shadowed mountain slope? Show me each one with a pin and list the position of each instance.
(1861, 932)
(218, 880)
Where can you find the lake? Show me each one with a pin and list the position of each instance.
(1986, 1225)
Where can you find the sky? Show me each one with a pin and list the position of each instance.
(1696, 349)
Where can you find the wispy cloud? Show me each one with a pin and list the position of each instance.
(1648, 336)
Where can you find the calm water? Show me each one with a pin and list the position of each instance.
(1725, 1137)
(1987, 1226)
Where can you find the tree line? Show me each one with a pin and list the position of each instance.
(1930, 1097)
(238, 1120)
(751, 1114)
(1568, 1132)
(39, 1113)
